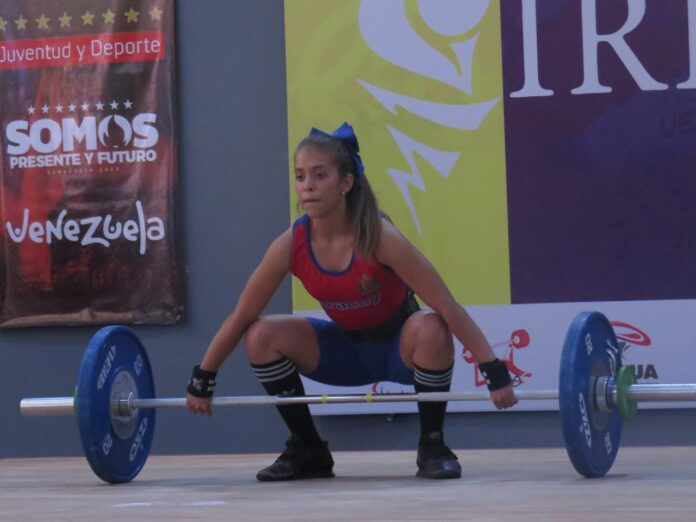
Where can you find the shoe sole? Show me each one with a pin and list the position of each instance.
(440, 475)
(298, 476)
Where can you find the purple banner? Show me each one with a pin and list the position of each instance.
(600, 117)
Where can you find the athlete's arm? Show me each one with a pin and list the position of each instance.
(420, 275)
(258, 291)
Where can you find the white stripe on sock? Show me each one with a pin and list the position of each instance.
(276, 372)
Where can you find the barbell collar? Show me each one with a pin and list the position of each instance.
(603, 389)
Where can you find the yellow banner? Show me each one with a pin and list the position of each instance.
(423, 90)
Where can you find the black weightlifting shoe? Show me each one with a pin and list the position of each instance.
(435, 460)
(300, 460)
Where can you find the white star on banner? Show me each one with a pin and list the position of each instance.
(45, 108)
(31, 110)
(59, 108)
(128, 104)
(100, 106)
(113, 105)
(72, 107)
(84, 106)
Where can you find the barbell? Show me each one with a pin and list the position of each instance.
(115, 402)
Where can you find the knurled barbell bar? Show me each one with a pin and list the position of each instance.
(114, 400)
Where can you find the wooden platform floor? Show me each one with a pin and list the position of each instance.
(645, 484)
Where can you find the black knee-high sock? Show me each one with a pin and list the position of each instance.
(432, 414)
(281, 378)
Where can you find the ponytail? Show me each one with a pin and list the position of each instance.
(365, 216)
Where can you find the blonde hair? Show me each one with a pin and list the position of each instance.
(361, 202)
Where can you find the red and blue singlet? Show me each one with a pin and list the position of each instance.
(364, 295)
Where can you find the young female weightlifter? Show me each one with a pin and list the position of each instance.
(364, 273)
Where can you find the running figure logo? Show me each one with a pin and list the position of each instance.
(518, 339)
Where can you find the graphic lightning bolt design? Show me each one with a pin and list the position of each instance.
(442, 161)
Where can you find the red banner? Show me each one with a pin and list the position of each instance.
(88, 163)
(82, 50)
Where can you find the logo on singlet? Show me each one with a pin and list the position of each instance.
(367, 284)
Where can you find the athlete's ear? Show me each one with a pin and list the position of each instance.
(347, 183)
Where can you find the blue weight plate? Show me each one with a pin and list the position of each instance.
(116, 446)
(592, 437)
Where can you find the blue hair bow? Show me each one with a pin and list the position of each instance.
(346, 135)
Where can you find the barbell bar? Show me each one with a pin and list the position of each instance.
(126, 404)
(115, 402)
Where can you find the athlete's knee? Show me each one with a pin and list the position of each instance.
(259, 338)
(430, 329)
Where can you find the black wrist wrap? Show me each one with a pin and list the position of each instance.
(201, 383)
(496, 374)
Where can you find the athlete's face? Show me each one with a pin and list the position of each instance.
(318, 185)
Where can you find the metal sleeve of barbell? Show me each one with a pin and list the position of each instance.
(47, 406)
(661, 392)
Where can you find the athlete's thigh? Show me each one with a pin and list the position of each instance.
(339, 363)
(287, 335)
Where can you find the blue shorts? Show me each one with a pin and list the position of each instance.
(345, 362)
